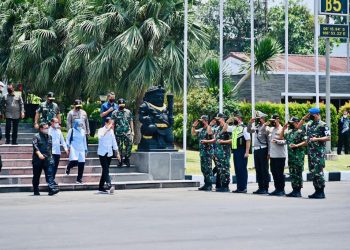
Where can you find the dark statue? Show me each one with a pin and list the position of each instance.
(157, 121)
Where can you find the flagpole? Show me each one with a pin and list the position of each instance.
(286, 52)
(184, 129)
(221, 99)
(317, 79)
(252, 56)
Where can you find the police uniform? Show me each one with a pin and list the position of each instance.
(295, 157)
(43, 144)
(317, 153)
(123, 132)
(240, 136)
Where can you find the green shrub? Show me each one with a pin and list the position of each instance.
(346, 106)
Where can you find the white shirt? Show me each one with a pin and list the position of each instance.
(57, 140)
(106, 142)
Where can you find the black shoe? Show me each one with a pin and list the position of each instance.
(14, 143)
(7, 142)
(240, 191)
(295, 193)
(102, 191)
(67, 171)
(53, 192)
(261, 191)
(127, 162)
(120, 165)
(319, 194)
(36, 193)
(205, 188)
(278, 193)
(223, 190)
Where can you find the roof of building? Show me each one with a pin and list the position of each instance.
(298, 63)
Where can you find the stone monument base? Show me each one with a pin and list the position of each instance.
(160, 165)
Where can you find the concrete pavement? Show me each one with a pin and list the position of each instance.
(175, 219)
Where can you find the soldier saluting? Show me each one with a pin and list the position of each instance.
(204, 135)
(317, 134)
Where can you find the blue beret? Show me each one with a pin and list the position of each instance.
(314, 111)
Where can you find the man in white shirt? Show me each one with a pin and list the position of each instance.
(106, 145)
(57, 142)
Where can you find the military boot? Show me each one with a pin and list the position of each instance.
(295, 193)
(205, 188)
(319, 194)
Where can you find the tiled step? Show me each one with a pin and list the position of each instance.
(28, 155)
(29, 148)
(94, 186)
(88, 178)
(61, 170)
(63, 162)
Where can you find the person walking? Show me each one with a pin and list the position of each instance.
(204, 135)
(77, 148)
(57, 141)
(278, 154)
(106, 145)
(317, 134)
(47, 110)
(108, 107)
(42, 160)
(124, 131)
(261, 161)
(296, 142)
(78, 113)
(240, 150)
(344, 133)
(13, 109)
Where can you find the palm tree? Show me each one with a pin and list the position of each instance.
(211, 71)
(265, 50)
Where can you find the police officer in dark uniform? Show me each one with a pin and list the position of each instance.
(42, 160)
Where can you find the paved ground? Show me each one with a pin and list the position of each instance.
(175, 219)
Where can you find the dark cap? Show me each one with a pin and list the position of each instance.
(294, 119)
(204, 117)
(78, 103)
(121, 101)
(51, 96)
(220, 115)
(275, 117)
(238, 114)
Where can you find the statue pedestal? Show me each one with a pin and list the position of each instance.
(161, 165)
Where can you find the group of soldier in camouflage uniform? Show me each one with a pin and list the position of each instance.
(302, 136)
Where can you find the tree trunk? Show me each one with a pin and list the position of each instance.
(242, 80)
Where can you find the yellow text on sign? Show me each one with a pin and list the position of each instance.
(333, 5)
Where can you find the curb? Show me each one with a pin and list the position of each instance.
(329, 177)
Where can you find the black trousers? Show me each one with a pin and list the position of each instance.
(105, 178)
(38, 166)
(14, 124)
(262, 168)
(81, 166)
(277, 170)
(343, 140)
(56, 159)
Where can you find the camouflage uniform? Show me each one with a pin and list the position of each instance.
(317, 151)
(223, 155)
(122, 120)
(205, 153)
(296, 157)
(47, 111)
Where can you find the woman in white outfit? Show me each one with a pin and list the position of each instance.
(77, 147)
